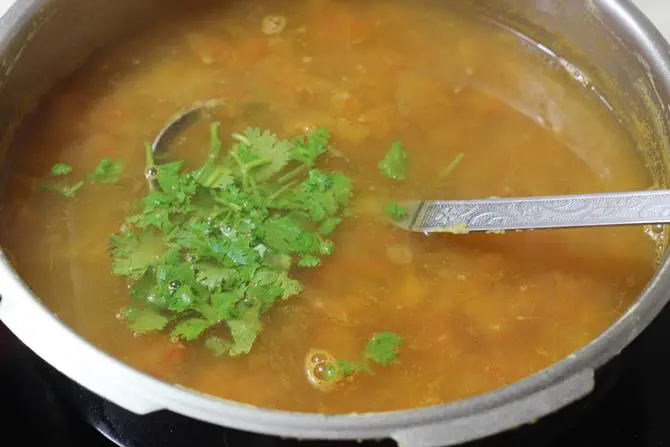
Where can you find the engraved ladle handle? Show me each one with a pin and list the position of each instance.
(528, 213)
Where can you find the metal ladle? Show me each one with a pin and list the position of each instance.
(492, 214)
(541, 212)
(175, 125)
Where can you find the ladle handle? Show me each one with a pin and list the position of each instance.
(526, 213)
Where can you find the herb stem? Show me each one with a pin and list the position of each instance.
(241, 138)
(256, 163)
(281, 190)
(292, 174)
(69, 191)
(202, 172)
(214, 140)
(224, 202)
(237, 159)
(252, 183)
(452, 166)
(150, 164)
(246, 180)
(149, 153)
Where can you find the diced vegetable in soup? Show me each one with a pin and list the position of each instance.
(258, 261)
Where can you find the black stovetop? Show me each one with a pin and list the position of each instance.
(632, 411)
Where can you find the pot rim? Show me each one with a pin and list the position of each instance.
(65, 350)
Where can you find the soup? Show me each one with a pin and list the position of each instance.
(462, 313)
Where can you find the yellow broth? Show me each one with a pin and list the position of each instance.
(476, 312)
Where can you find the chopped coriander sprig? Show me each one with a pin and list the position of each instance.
(395, 162)
(383, 348)
(107, 171)
(61, 169)
(213, 249)
(68, 190)
(394, 165)
(395, 211)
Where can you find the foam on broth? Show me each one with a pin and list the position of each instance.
(476, 311)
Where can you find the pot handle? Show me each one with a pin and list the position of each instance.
(501, 418)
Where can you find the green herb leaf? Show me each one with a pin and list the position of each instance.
(395, 211)
(244, 335)
(217, 345)
(289, 286)
(310, 147)
(383, 348)
(190, 329)
(309, 261)
(264, 153)
(395, 162)
(329, 225)
(213, 276)
(107, 171)
(224, 304)
(135, 253)
(61, 169)
(144, 320)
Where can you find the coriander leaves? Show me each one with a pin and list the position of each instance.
(395, 163)
(107, 171)
(395, 211)
(383, 348)
(144, 320)
(65, 189)
(59, 184)
(213, 249)
(395, 166)
(61, 169)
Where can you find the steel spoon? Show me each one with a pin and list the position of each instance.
(529, 213)
(175, 125)
(181, 121)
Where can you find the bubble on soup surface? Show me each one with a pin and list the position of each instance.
(321, 369)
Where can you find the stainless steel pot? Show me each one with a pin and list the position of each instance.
(612, 49)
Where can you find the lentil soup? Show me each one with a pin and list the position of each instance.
(475, 311)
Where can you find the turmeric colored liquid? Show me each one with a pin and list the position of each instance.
(476, 312)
